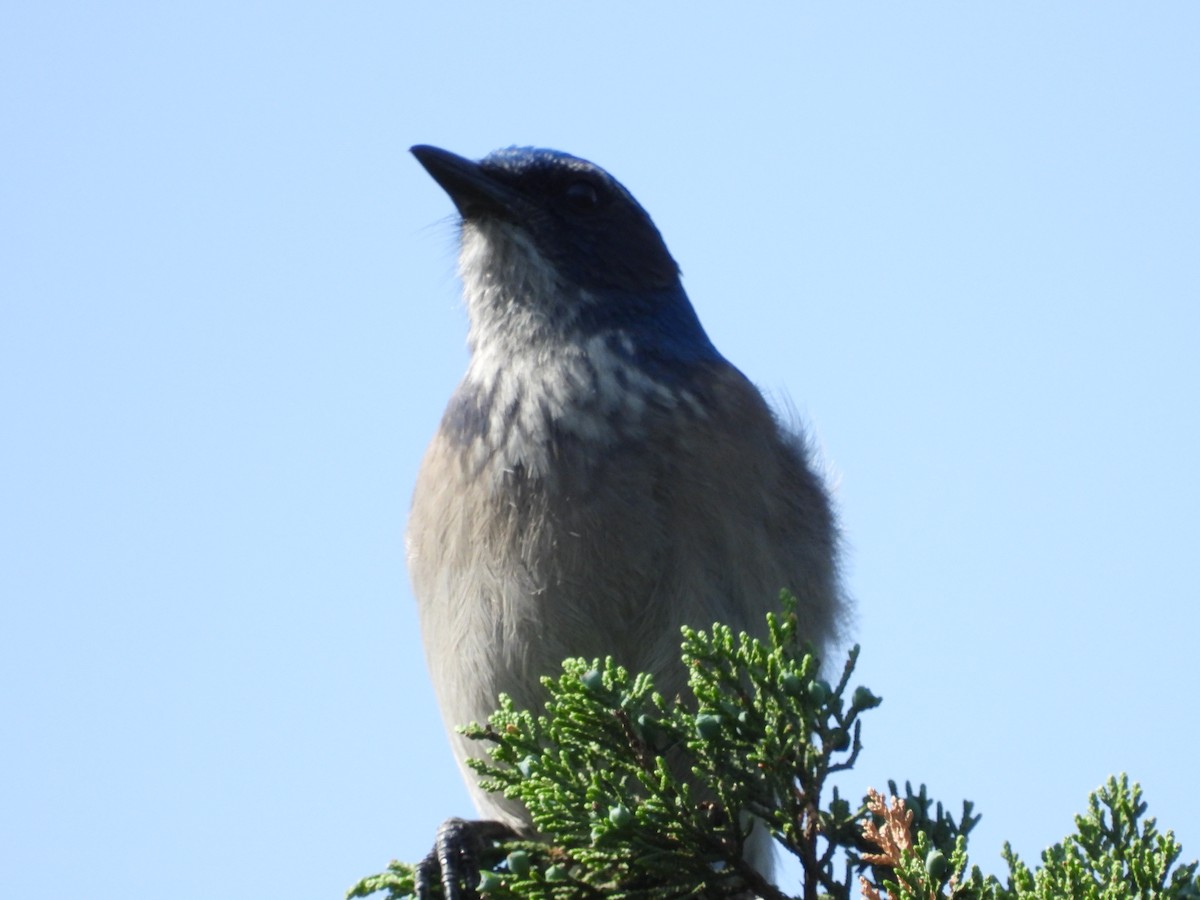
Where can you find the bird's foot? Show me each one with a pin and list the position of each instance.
(456, 857)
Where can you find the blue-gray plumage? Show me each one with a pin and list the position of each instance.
(602, 475)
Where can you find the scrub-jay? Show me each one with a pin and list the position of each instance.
(602, 475)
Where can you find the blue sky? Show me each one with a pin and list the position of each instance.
(961, 238)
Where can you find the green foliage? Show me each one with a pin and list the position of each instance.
(649, 798)
(1114, 855)
(642, 796)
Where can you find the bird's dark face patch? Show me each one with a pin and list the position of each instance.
(580, 218)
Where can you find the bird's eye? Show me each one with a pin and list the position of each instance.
(582, 196)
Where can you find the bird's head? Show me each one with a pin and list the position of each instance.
(559, 238)
(580, 218)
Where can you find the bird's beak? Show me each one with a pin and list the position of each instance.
(474, 191)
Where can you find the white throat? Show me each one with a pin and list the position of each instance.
(544, 379)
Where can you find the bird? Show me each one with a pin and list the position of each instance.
(601, 475)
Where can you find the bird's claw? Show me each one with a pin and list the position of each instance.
(455, 858)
